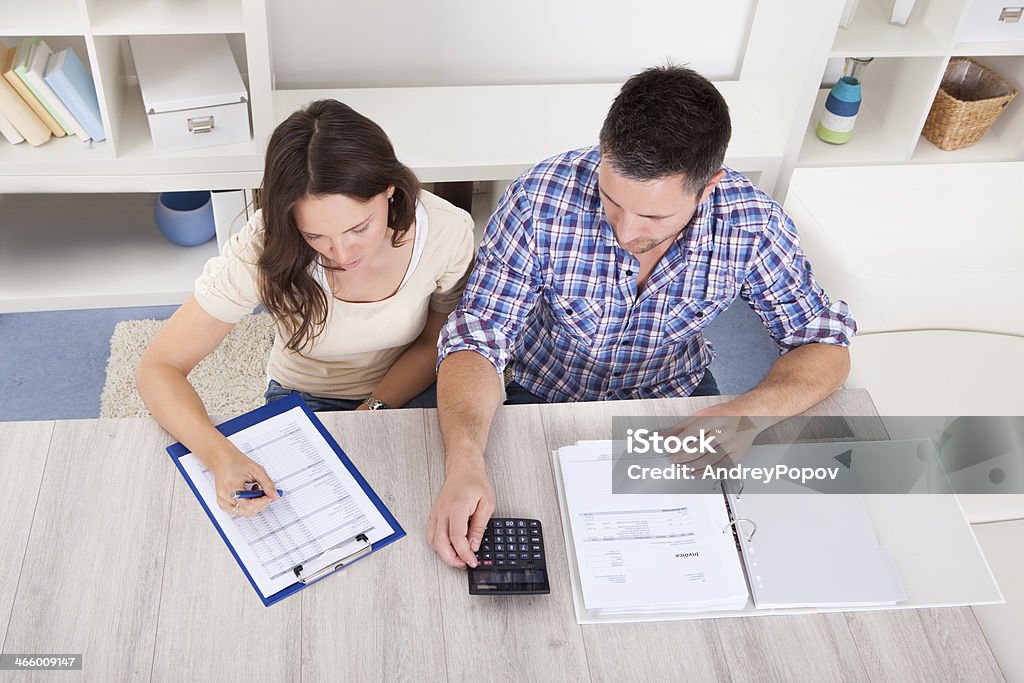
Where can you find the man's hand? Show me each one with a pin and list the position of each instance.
(460, 514)
(733, 431)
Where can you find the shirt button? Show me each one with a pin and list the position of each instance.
(629, 272)
(617, 374)
(569, 311)
(611, 393)
(626, 343)
(700, 314)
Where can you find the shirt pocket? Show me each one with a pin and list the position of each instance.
(576, 317)
(686, 317)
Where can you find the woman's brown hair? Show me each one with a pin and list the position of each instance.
(326, 148)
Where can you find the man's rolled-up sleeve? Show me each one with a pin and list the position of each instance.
(502, 288)
(781, 289)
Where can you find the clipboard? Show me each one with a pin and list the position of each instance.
(332, 559)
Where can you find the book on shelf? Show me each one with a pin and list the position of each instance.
(30, 64)
(849, 11)
(72, 82)
(21, 116)
(7, 69)
(901, 10)
(20, 68)
(230, 213)
(9, 132)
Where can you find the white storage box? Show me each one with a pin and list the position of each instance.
(192, 91)
(993, 21)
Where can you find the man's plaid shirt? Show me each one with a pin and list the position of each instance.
(554, 293)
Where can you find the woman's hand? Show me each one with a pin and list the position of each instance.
(235, 471)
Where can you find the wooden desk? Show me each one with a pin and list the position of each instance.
(105, 552)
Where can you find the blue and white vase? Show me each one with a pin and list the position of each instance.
(843, 103)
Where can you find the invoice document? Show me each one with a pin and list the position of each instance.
(323, 508)
(651, 552)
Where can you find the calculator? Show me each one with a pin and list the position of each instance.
(512, 560)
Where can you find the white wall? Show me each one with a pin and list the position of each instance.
(325, 43)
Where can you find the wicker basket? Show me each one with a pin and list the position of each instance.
(970, 99)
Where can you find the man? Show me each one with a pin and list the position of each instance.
(597, 273)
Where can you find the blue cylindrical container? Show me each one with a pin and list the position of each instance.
(185, 218)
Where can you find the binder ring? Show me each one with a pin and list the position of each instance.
(742, 519)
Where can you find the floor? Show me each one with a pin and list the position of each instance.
(53, 364)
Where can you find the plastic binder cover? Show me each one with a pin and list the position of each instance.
(328, 518)
(813, 550)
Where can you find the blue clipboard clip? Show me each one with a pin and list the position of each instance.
(333, 559)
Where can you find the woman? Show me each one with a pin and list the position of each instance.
(359, 269)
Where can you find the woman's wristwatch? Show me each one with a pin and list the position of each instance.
(374, 403)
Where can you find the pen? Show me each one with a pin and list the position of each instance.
(258, 493)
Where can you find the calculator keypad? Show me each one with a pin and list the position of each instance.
(512, 543)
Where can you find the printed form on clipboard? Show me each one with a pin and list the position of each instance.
(328, 518)
(636, 557)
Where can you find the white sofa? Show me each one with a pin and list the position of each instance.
(931, 261)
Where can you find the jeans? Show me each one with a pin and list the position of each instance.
(516, 395)
(428, 399)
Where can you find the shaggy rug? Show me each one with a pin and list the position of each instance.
(230, 381)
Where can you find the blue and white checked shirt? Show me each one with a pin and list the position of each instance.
(554, 293)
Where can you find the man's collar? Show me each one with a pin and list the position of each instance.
(698, 236)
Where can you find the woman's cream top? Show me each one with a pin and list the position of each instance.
(360, 341)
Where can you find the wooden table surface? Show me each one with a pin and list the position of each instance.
(106, 553)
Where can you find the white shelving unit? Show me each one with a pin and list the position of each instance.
(487, 140)
(491, 133)
(929, 31)
(486, 133)
(898, 93)
(900, 85)
(58, 17)
(125, 161)
(163, 17)
(70, 251)
(61, 250)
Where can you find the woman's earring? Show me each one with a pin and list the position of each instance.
(391, 199)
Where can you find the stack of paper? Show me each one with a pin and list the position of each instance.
(646, 554)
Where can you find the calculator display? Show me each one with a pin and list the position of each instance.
(525, 579)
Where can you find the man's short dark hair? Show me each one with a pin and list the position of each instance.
(667, 120)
